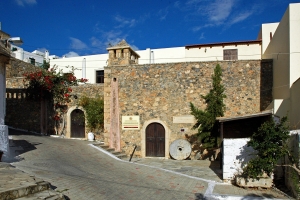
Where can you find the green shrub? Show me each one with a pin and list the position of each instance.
(270, 143)
(94, 108)
(206, 120)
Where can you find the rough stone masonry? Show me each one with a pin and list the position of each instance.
(160, 92)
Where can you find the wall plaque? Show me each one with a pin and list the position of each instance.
(184, 119)
(131, 122)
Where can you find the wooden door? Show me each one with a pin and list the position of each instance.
(77, 124)
(155, 140)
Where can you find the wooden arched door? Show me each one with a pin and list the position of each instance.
(77, 124)
(155, 140)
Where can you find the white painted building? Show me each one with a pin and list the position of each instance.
(281, 43)
(92, 65)
(36, 57)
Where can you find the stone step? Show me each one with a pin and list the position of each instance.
(110, 149)
(116, 152)
(121, 156)
(103, 146)
(18, 192)
(46, 195)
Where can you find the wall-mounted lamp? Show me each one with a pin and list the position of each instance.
(15, 40)
(205, 50)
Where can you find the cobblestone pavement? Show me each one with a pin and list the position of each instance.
(80, 171)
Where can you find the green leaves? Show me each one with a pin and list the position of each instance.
(94, 108)
(215, 108)
(270, 143)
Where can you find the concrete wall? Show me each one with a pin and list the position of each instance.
(294, 32)
(266, 32)
(278, 50)
(164, 55)
(284, 50)
(163, 91)
(236, 155)
(294, 109)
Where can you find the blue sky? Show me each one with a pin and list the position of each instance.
(76, 27)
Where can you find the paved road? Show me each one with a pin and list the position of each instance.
(82, 172)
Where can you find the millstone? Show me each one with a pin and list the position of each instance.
(180, 149)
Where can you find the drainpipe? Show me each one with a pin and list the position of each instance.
(83, 68)
(148, 49)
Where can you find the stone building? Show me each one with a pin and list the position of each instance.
(148, 105)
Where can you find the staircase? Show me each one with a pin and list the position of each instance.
(117, 154)
(15, 184)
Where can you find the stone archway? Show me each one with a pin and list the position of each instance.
(77, 124)
(155, 140)
(71, 110)
(143, 136)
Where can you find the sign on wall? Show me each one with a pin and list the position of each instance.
(185, 119)
(131, 122)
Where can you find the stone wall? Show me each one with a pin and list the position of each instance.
(24, 113)
(16, 68)
(21, 112)
(88, 90)
(159, 92)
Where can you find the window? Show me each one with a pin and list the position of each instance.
(100, 76)
(32, 61)
(230, 54)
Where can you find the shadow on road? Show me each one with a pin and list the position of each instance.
(18, 147)
(215, 167)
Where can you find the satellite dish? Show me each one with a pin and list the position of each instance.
(180, 149)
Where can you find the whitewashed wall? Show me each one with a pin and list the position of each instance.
(245, 52)
(92, 64)
(25, 55)
(235, 155)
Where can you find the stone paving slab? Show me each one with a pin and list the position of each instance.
(15, 184)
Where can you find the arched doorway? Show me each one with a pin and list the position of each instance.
(155, 140)
(77, 124)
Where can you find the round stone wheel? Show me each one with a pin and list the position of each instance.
(180, 149)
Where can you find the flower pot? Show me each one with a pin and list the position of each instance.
(91, 136)
(263, 182)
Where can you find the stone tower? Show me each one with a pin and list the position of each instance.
(122, 54)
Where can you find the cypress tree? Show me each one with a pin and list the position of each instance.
(206, 120)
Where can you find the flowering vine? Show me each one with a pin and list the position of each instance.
(52, 85)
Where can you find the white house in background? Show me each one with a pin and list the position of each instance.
(36, 57)
(92, 67)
